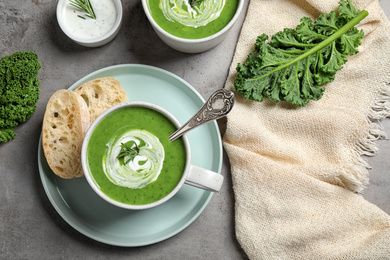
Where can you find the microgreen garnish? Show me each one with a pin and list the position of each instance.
(127, 151)
(84, 6)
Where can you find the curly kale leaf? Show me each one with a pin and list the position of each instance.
(19, 91)
(6, 135)
(294, 64)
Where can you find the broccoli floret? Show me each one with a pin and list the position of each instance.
(19, 91)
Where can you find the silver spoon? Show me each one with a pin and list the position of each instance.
(219, 104)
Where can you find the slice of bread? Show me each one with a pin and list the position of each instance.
(101, 94)
(65, 123)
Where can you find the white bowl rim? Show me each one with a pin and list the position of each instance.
(62, 4)
(92, 182)
(200, 40)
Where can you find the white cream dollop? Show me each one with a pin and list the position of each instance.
(143, 169)
(193, 16)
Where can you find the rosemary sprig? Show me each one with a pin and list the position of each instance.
(128, 151)
(84, 6)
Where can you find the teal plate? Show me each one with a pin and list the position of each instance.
(85, 211)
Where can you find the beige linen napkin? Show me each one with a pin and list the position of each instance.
(297, 171)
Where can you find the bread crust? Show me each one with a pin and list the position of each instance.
(65, 123)
(101, 94)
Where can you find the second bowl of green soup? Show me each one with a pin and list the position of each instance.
(192, 26)
(129, 161)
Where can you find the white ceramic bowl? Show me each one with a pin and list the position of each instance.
(62, 6)
(88, 174)
(192, 175)
(192, 45)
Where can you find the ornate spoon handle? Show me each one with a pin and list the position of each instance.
(219, 104)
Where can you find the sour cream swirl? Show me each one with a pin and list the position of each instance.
(143, 169)
(193, 16)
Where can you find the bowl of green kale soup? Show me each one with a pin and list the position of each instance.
(128, 159)
(192, 26)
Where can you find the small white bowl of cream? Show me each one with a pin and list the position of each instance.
(87, 31)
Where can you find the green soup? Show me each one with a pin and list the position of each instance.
(204, 19)
(135, 182)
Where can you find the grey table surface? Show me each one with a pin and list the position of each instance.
(30, 227)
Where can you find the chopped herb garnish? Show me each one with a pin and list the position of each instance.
(193, 2)
(129, 152)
